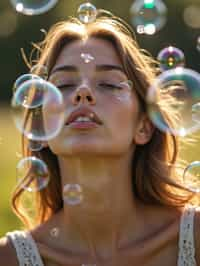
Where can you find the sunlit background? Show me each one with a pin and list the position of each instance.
(180, 28)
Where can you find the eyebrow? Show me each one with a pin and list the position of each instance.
(105, 67)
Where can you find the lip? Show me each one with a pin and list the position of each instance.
(83, 111)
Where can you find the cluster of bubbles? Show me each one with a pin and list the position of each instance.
(37, 111)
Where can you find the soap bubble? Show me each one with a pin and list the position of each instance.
(55, 232)
(87, 58)
(171, 57)
(87, 13)
(172, 99)
(35, 145)
(32, 174)
(148, 16)
(33, 7)
(40, 70)
(21, 79)
(191, 176)
(38, 110)
(72, 194)
(198, 44)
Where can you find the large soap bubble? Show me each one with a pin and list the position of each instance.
(148, 16)
(32, 174)
(173, 101)
(33, 7)
(38, 110)
(191, 176)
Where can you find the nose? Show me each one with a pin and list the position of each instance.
(84, 94)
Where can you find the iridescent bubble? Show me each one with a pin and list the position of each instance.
(72, 194)
(33, 7)
(171, 99)
(191, 176)
(22, 79)
(35, 145)
(32, 174)
(38, 110)
(148, 15)
(40, 70)
(87, 13)
(171, 57)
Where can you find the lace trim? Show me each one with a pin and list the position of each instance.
(26, 249)
(186, 238)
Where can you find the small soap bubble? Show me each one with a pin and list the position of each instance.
(191, 176)
(22, 79)
(87, 57)
(198, 44)
(173, 101)
(148, 16)
(40, 70)
(171, 57)
(55, 232)
(32, 174)
(38, 110)
(33, 7)
(72, 194)
(87, 13)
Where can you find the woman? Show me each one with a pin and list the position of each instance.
(133, 210)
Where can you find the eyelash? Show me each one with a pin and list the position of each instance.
(104, 85)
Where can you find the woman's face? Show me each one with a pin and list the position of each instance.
(91, 78)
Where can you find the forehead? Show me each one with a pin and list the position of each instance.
(101, 50)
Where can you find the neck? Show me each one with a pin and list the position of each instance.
(107, 211)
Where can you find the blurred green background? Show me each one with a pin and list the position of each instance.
(19, 31)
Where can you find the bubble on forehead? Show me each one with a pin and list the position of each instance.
(170, 57)
(38, 110)
(87, 12)
(148, 16)
(173, 101)
(191, 176)
(33, 7)
(32, 174)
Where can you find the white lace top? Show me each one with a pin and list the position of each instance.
(28, 255)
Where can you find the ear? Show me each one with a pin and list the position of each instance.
(144, 130)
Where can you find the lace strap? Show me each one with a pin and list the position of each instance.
(26, 249)
(186, 238)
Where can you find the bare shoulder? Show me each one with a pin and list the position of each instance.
(197, 234)
(7, 253)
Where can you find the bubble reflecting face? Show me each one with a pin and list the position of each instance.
(171, 57)
(72, 194)
(87, 13)
(40, 70)
(20, 80)
(172, 99)
(33, 7)
(32, 174)
(38, 110)
(191, 176)
(148, 16)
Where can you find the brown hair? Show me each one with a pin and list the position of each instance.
(154, 181)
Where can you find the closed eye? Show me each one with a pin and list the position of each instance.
(66, 86)
(109, 86)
